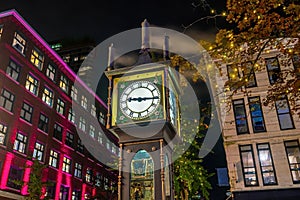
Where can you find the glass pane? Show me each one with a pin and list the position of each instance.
(285, 121)
(265, 158)
(247, 159)
(142, 179)
(269, 178)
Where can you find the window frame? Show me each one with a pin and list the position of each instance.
(78, 170)
(275, 71)
(13, 70)
(26, 112)
(243, 166)
(37, 58)
(7, 102)
(60, 106)
(3, 133)
(51, 73)
(43, 124)
(235, 116)
(67, 164)
(64, 83)
(48, 96)
(32, 84)
(19, 41)
(71, 115)
(284, 98)
(272, 163)
(40, 149)
(289, 162)
(20, 145)
(69, 139)
(54, 158)
(258, 102)
(56, 133)
(252, 73)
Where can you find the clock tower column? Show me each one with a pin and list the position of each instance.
(143, 111)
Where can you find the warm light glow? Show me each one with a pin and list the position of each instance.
(212, 11)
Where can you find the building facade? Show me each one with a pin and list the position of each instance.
(38, 120)
(262, 143)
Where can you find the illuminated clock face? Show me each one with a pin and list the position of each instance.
(139, 100)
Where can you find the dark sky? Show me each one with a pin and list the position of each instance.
(56, 19)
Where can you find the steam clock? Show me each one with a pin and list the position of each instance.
(144, 113)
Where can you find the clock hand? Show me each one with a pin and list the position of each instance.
(140, 99)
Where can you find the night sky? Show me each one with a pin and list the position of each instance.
(57, 19)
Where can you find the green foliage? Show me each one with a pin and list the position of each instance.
(36, 187)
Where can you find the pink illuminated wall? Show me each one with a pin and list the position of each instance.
(6, 167)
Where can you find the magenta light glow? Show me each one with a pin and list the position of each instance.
(26, 177)
(83, 190)
(40, 39)
(6, 167)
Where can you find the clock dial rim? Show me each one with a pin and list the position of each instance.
(152, 101)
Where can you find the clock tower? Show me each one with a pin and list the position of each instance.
(144, 112)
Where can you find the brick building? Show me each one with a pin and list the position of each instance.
(37, 119)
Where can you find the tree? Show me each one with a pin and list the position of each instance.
(36, 186)
(190, 177)
(255, 28)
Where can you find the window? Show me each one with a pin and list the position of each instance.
(273, 69)
(37, 58)
(100, 138)
(7, 100)
(249, 75)
(19, 43)
(79, 146)
(74, 93)
(240, 116)
(57, 132)
(283, 113)
(60, 106)
(32, 84)
(70, 139)
(63, 193)
(48, 96)
(76, 195)
(88, 175)
(50, 72)
(26, 112)
(66, 165)
(38, 151)
(3, 132)
(15, 174)
(92, 131)
(78, 170)
(98, 179)
(20, 143)
(71, 115)
(43, 123)
(53, 159)
(293, 154)
(256, 115)
(108, 144)
(93, 110)
(266, 164)
(101, 118)
(51, 190)
(13, 70)
(84, 102)
(296, 63)
(233, 76)
(82, 124)
(64, 83)
(248, 165)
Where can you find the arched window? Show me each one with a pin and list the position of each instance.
(142, 176)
